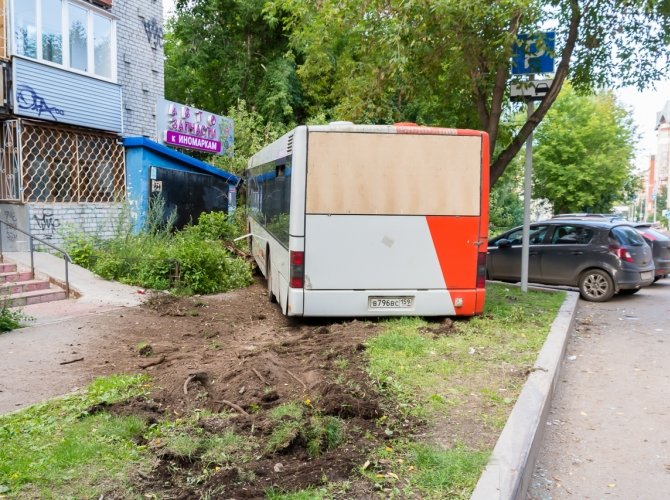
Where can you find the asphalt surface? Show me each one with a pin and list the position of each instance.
(608, 429)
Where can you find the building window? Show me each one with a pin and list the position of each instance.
(25, 27)
(52, 31)
(67, 33)
(78, 37)
(102, 46)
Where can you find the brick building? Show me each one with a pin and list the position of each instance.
(78, 77)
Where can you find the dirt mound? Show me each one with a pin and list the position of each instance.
(236, 356)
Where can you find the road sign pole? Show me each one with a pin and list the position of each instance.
(528, 171)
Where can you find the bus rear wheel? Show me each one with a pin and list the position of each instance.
(268, 275)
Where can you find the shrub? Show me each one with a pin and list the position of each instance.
(11, 319)
(194, 260)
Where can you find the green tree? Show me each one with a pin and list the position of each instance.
(221, 51)
(661, 205)
(448, 62)
(506, 202)
(252, 133)
(436, 62)
(582, 161)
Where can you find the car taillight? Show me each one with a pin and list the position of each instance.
(622, 253)
(481, 270)
(297, 270)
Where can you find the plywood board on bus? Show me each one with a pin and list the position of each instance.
(390, 174)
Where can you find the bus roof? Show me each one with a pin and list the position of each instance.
(398, 128)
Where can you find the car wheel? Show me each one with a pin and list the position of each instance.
(629, 291)
(268, 275)
(596, 285)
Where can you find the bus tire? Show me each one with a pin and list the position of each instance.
(268, 275)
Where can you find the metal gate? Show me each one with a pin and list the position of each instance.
(43, 163)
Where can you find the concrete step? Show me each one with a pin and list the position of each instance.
(7, 267)
(13, 287)
(15, 276)
(19, 288)
(34, 297)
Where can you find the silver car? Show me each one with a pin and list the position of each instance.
(600, 257)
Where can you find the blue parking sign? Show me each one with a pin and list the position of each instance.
(534, 53)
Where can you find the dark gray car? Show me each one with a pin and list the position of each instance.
(600, 257)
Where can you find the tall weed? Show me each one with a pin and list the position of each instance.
(191, 261)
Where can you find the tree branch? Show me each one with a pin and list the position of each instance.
(502, 72)
(506, 156)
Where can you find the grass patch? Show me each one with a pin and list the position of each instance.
(467, 376)
(308, 494)
(319, 433)
(446, 473)
(428, 372)
(56, 449)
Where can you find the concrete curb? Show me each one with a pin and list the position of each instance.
(510, 468)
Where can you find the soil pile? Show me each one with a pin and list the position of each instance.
(234, 358)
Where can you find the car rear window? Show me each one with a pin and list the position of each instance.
(626, 235)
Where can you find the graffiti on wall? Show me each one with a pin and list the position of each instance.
(154, 32)
(8, 215)
(47, 223)
(28, 98)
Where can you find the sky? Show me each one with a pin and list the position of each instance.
(168, 7)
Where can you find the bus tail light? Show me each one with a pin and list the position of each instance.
(481, 270)
(297, 270)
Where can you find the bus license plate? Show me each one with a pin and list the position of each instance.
(646, 275)
(390, 302)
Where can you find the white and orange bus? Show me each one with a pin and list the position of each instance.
(372, 220)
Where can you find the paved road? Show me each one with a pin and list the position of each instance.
(608, 430)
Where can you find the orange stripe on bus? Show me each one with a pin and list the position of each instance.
(455, 241)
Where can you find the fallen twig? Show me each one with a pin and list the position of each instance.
(304, 386)
(186, 382)
(200, 376)
(259, 376)
(153, 363)
(71, 361)
(232, 405)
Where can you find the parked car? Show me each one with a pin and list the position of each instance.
(599, 256)
(655, 236)
(660, 248)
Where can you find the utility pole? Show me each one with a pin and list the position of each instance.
(533, 54)
(527, 183)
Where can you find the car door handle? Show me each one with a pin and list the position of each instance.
(532, 253)
(576, 252)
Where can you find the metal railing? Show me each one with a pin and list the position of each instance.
(66, 256)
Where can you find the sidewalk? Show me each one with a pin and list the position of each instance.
(95, 294)
(32, 368)
(511, 465)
